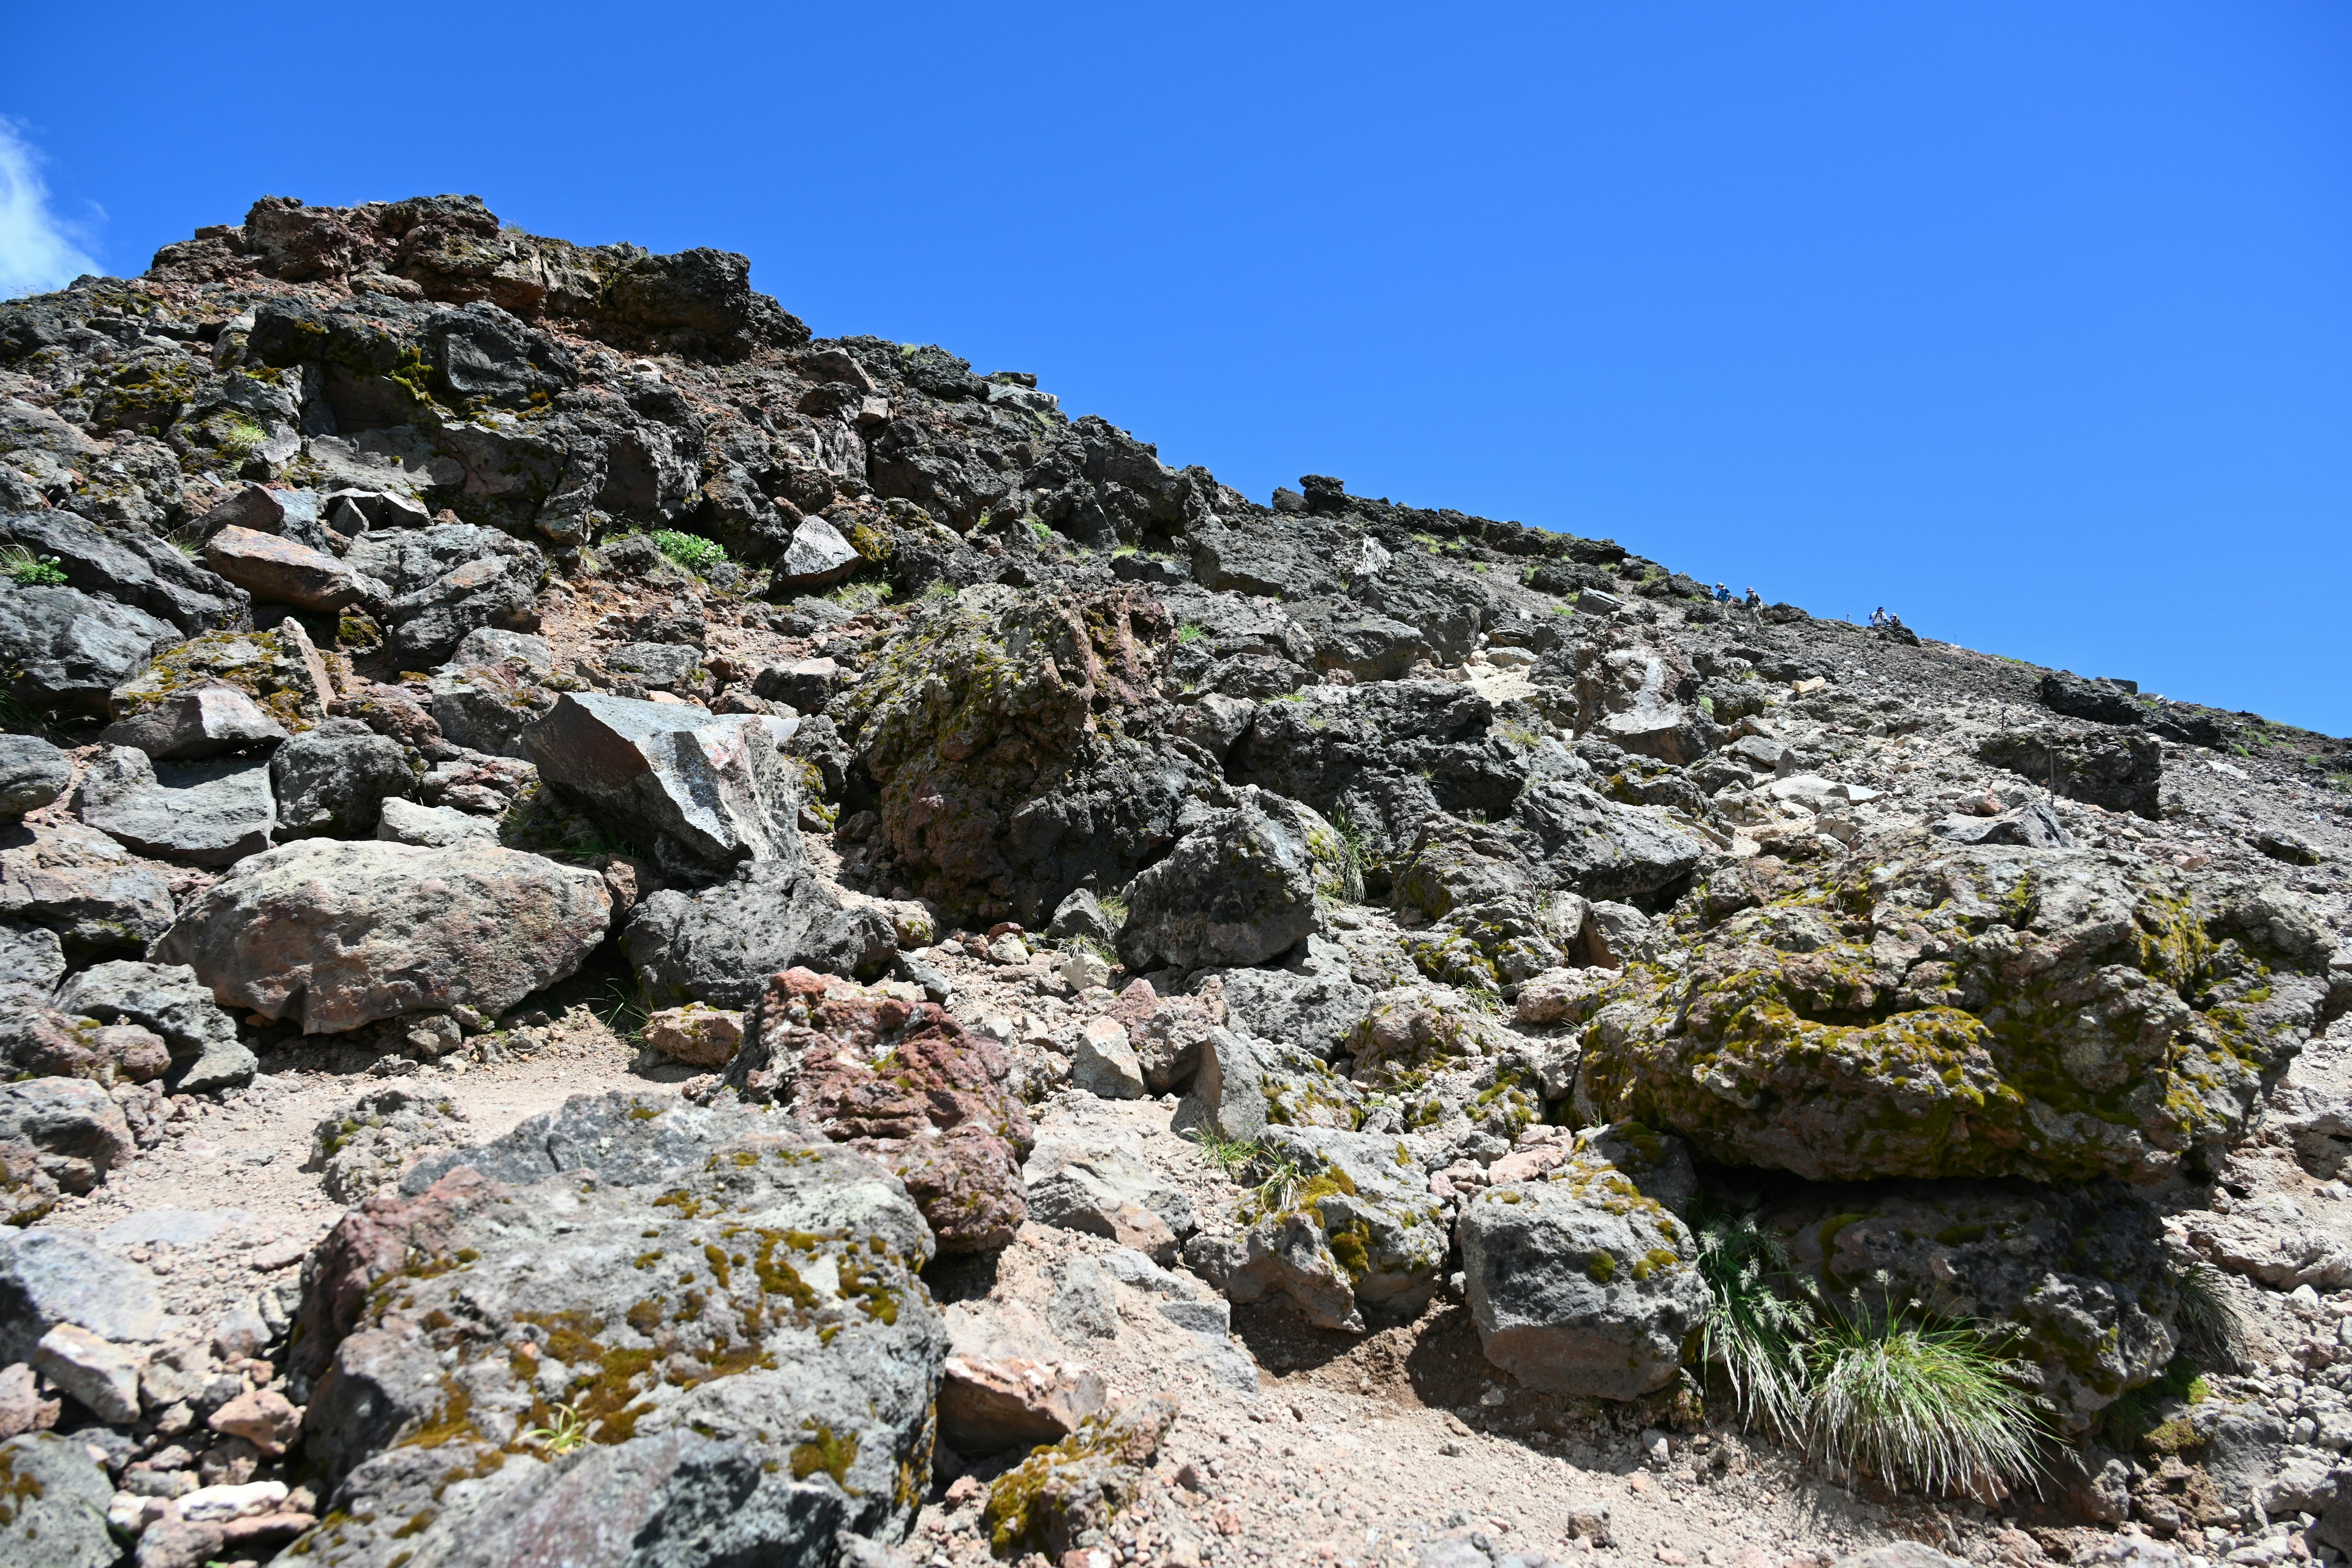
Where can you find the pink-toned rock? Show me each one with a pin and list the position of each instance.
(22, 1408)
(264, 1417)
(698, 1035)
(988, 1405)
(282, 572)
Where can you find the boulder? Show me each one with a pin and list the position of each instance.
(1080, 915)
(30, 955)
(2102, 701)
(282, 572)
(433, 826)
(64, 650)
(279, 670)
(2122, 770)
(169, 1001)
(1351, 1226)
(201, 814)
(1103, 1062)
(719, 946)
(58, 1495)
(341, 934)
(695, 1035)
(53, 1277)
(1238, 890)
(1101, 1185)
(1311, 1002)
(2076, 1276)
(2312, 1105)
(658, 665)
(1009, 1383)
(190, 725)
(43, 1042)
(331, 781)
(131, 568)
(1228, 1094)
(75, 1130)
(366, 1148)
(701, 791)
(1578, 1283)
(2032, 826)
(447, 580)
(731, 1412)
(99, 1374)
(77, 882)
(817, 557)
(487, 645)
(487, 707)
(904, 1081)
(298, 515)
(33, 772)
(1073, 1491)
(805, 685)
(2054, 1015)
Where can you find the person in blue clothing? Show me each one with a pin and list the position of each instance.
(1722, 595)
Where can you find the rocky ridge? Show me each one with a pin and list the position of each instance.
(1064, 967)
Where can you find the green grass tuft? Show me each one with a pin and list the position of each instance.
(2210, 1325)
(1918, 1402)
(691, 551)
(1229, 1156)
(1755, 1333)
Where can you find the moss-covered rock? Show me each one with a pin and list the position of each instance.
(279, 670)
(1924, 1010)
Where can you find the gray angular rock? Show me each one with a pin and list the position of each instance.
(448, 580)
(201, 814)
(1103, 1186)
(30, 955)
(1357, 1229)
(74, 1128)
(2031, 824)
(80, 883)
(1578, 1283)
(64, 650)
(1103, 1063)
(32, 773)
(331, 781)
(487, 707)
(1080, 915)
(58, 1495)
(493, 646)
(339, 934)
(283, 572)
(719, 945)
(1599, 848)
(99, 1374)
(52, 1276)
(655, 666)
(168, 1000)
(703, 791)
(132, 568)
(2122, 770)
(434, 826)
(1228, 1094)
(1311, 1002)
(817, 557)
(190, 725)
(280, 669)
(296, 515)
(820, 1360)
(1238, 890)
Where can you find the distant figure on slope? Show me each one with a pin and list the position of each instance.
(1755, 600)
(1722, 595)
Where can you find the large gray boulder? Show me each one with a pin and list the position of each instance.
(53, 1277)
(1356, 1229)
(55, 1496)
(485, 706)
(734, 1412)
(719, 945)
(1098, 1181)
(32, 773)
(204, 723)
(133, 569)
(1578, 1283)
(2122, 770)
(331, 781)
(80, 883)
(75, 1129)
(63, 649)
(341, 934)
(701, 791)
(817, 557)
(211, 813)
(1310, 1002)
(447, 580)
(169, 1000)
(1237, 889)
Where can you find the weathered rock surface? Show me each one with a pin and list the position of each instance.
(331, 781)
(203, 723)
(447, 580)
(1237, 889)
(57, 1496)
(32, 773)
(703, 791)
(339, 934)
(50, 1277)
(1580, 1284)
(787, 1397)
(167, 1000)
(719, 946)
(203, 813)
(432, 826)
(67, 651)
(80, 883)
(283, 572)
(1104, 1187)
(2120, 770)
(2055, 1015)
(366, 1149)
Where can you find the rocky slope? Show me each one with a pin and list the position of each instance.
(635, 937)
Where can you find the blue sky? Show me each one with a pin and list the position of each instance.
(2033, 322)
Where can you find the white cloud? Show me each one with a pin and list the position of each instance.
(38, 250)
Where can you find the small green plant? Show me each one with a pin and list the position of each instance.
(861, 597)
(1918, 1400)
(1353, 858)
(1563, 609)
(691, 551)
(1754, 1332)
(1280, 1181)
(568, 1432)
(940, 589)
(1114, 909)
(27, 570)
(1191, 631)
(2210, 1325)
(240, 438)
(621, 1010)
(1228, 1156)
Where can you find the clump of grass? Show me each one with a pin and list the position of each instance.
(2211, 1324)
(568, 1432)
(27, 570)
(1918, 1401)
(240, 438)
(860, 597)
(1230, 1157)
(1351, 854)
(1754, 1332)
(1114, 909)
(622, 1010)
(940, 589)
(1191, 631)
(691, 551)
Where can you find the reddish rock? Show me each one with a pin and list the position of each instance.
(264, 1417)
